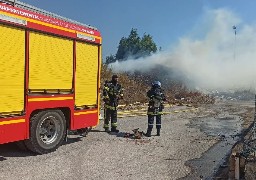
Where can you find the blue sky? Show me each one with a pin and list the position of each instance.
(166, 20)
(196, 36)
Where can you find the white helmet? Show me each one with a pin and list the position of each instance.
(156, 84)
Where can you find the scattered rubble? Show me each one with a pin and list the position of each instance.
(135, 135)
(244, 95)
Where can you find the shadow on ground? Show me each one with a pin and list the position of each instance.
(13, 150)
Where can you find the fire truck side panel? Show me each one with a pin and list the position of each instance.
(12, 129)
(87, 118)
(50, 62)
(12, 65)
(86, 86)
(40, 27)
(50, 102)
(63, 102)
(42, 54)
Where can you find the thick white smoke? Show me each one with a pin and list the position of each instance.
(212, 57)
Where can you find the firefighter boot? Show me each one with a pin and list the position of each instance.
(158, 132)
(148, 134)
(113, 129)
(106, 129)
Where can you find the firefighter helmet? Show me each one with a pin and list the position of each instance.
(114, 76)
(156, 84)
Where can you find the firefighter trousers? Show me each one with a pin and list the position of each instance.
(110, 114)
(151, 121)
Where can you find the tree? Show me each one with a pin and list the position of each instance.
(133, 47)
(128, 46)
(147, 46)
(110, 59)
(133, 42)
(122, 49)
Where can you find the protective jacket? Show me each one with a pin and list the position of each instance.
(155, 105)
(112, 92)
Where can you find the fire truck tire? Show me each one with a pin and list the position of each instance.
(47, 131)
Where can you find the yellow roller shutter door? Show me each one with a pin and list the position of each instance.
(87, 56)
(12, 71)
(50, 62)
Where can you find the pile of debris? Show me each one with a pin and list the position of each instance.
(135, 135)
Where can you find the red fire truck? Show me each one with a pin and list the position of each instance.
(50, 76)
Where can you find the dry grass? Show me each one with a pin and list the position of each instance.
(136, 85)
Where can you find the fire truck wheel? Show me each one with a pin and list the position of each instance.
(47, 131)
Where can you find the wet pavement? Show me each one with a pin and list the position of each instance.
(227, 128)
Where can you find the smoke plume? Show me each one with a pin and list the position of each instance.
(215, 56)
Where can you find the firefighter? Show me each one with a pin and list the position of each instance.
(155, 107)
(112, 93)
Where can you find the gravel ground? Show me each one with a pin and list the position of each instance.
(111, 156)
